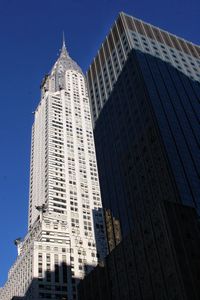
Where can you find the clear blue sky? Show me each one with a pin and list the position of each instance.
(30, 37)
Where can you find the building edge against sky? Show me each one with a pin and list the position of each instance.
(66, 230)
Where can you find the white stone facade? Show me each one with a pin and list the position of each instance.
(66, 229)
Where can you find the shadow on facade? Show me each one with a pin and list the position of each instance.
(100, 233)
(58, 284)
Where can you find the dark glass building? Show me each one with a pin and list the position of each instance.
(159, 262)
(145, 102)
(147, 140)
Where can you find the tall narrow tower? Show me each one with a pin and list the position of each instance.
(66, 231)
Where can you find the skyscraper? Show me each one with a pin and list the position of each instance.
(66, 232)
(145, 100)
(147, 135)
(129, 33)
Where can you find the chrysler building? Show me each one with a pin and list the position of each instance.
(65, 238)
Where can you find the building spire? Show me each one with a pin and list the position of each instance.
(63, 63)
(63, 44)
(64, 49)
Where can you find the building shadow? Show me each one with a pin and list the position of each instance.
(100, 233)
(57, 284)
